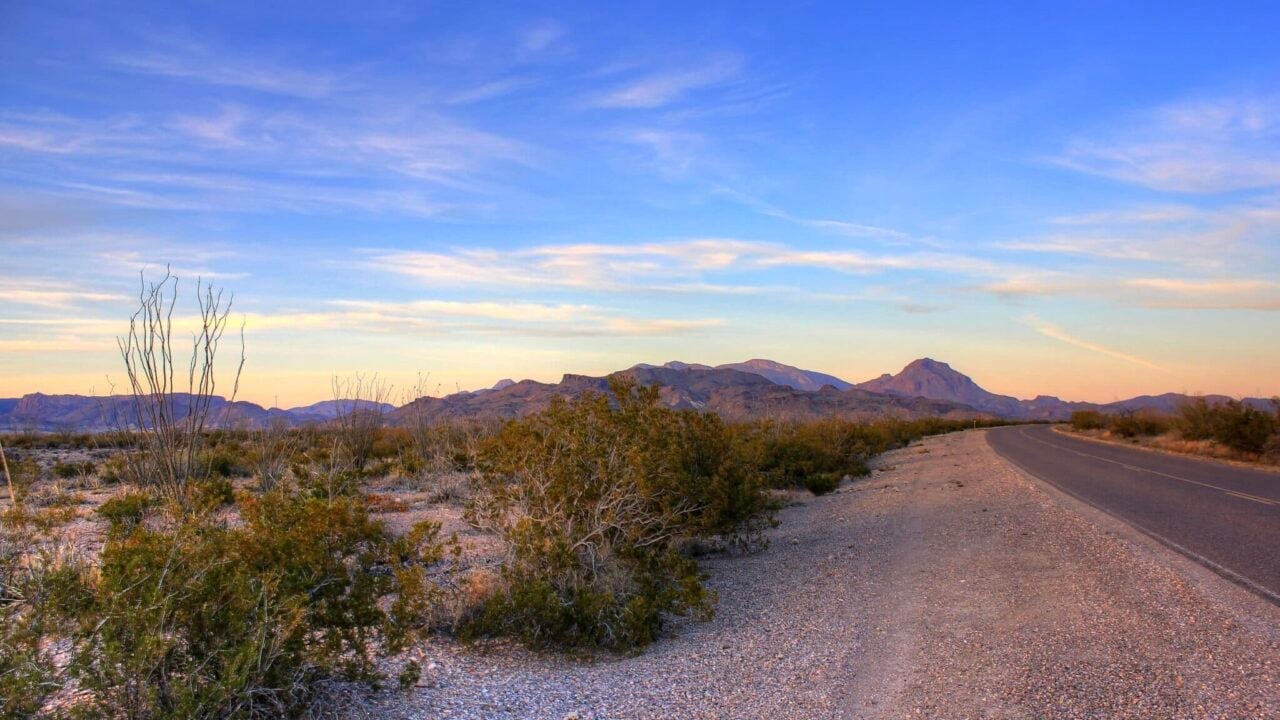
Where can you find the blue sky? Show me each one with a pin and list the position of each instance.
(1078, 201)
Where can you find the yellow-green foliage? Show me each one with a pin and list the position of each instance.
(1232, 423)
(36, 568)
(1139, 424)
(817, 455)
(1088, 420)
(598, 496)
(189, 616)
(595, 497)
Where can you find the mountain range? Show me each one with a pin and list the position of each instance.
(736, 391)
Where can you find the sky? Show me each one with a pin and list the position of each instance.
(1077, 199)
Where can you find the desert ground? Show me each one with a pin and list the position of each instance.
(946, 584)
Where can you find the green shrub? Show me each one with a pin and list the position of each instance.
(1139, 425)
(795, 455)
(195, 618)
(1243, 428)
(1238, 426)
(113, 470)
(1196, 420)
(822, 483)
(390, 442)
(23, 475)
(1088, 420)
(125, 511)
(594, 499)
(1271, 451)
(39, 574)
(226, 461)
(69, 470)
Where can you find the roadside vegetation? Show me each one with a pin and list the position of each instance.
(1229, 430)
(178, 568)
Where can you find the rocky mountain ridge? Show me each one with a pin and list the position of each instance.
(737, 391)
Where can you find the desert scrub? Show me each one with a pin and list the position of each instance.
(1233, 424)
(124, 511)
(74, 470)
(817, 455)
(39, 574)
(190, 616)
(1139, 425)
(594, 498)
(1088, 420)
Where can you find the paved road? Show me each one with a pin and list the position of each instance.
(1225, 517)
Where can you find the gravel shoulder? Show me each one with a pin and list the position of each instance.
(947, 584)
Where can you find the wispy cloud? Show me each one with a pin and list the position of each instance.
(1203, 287)
(846, 228)
(220, 129)
(432, 317)
(204, 66)
(451, 317)
(55, 345)
(541, 36)
(1146, 215)
(1034, 285)
(1207, 294)
(239, 158)
(49, 294)
(691, 265)
(666, 87)
(1048, 329)
(1237, 236)
(1205, 146)
(1113, 248)
(487, 91)
(672, 153)
(1181, 293)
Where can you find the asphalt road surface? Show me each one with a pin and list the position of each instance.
(1224, 517)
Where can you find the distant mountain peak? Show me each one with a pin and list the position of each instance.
(928, 364)
(671, 365)
(936, 380)
(791, 376)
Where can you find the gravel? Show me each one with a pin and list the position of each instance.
(946, 584)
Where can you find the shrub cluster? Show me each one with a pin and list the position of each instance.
(595, 498)
(1131, 425)
(34, 567)
(1088, 420)
(600, 499)
(818, 455)
(1234, 424)
(1126, 425)
(190, 616)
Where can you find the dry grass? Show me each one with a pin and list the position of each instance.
(1173, 442)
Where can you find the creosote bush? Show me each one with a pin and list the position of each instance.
(1232, 423)
(1088, 420)
(595, 498)
(36, 567)
(603, 499)
(818, 455)
(191, 616)
(1132, 425)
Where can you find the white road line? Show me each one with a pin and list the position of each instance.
(1228, 491)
